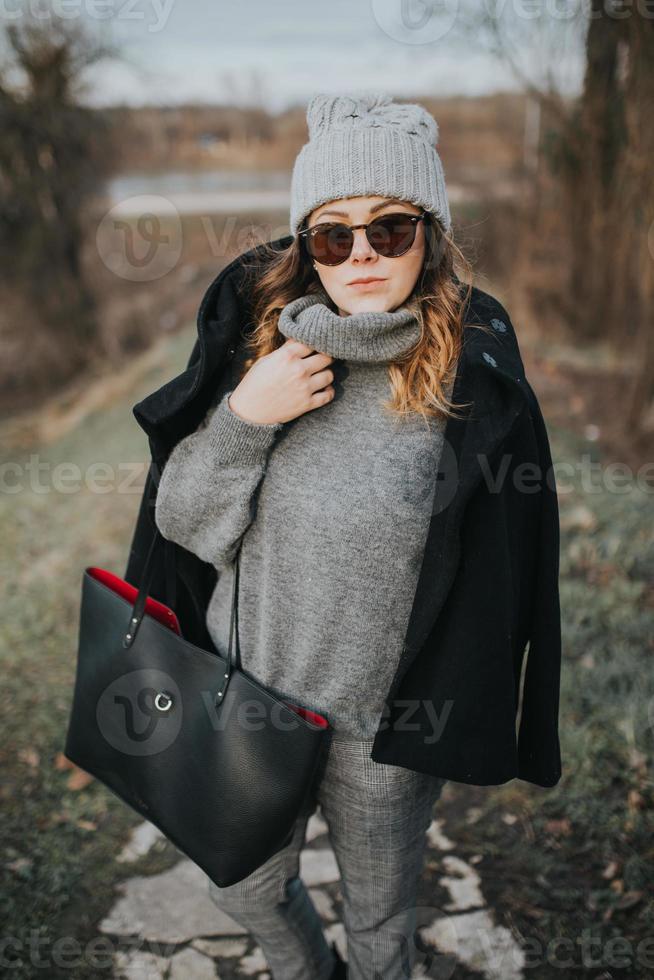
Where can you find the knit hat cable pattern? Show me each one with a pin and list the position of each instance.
(363, 145)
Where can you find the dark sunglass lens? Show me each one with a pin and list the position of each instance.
(392, 234)
(331, 244)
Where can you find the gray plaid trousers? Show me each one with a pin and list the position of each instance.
(377, 816)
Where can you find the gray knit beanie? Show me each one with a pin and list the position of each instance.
(365, 144)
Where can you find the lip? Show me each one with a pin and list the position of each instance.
(368, 281)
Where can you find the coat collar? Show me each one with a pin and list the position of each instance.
(175, 409)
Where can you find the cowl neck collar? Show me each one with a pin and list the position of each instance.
(366, 336)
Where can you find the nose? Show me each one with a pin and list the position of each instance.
(362, 250)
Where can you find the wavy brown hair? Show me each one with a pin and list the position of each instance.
(419, 377)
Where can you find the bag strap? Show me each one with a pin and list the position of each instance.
(138, 609)
(171, 577)
(233, 621)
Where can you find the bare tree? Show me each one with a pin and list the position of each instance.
(600, 150)
(52, 155)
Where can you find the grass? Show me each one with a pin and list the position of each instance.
(556, 864)
(59, 845)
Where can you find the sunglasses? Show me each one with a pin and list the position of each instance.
(391, 235)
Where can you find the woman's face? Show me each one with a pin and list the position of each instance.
(394, 278)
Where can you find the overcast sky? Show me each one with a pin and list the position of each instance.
(278, 52)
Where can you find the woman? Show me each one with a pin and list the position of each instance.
(319, 463)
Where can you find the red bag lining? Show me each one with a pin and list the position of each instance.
(164, 614)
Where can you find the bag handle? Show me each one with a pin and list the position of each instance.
(138, 609)
(233, 620)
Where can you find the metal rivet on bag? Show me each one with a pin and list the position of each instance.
(163, 701)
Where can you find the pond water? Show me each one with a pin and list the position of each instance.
(208, 191)
(212, 191)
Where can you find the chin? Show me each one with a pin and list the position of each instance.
(373, 305)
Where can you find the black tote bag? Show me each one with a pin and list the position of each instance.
(185, 737)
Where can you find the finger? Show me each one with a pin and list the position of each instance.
(321, 378)
(321, 397)
(319, 360)
(297, 347)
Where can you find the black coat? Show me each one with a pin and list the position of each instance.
(488, 584)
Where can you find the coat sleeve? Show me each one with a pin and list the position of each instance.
(206, 496)
(539, 755)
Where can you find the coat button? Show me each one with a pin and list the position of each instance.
(498, 325)
(490, 359)
(231, 351)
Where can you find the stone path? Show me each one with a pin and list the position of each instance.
(166, 927)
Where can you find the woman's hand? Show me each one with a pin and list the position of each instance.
(291, 380)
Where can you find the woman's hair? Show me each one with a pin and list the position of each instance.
(418, 377)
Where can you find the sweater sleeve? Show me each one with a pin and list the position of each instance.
(206, 496)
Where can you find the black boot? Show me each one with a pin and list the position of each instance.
(340, 967)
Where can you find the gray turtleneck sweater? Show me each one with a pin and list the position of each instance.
(331, 510)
